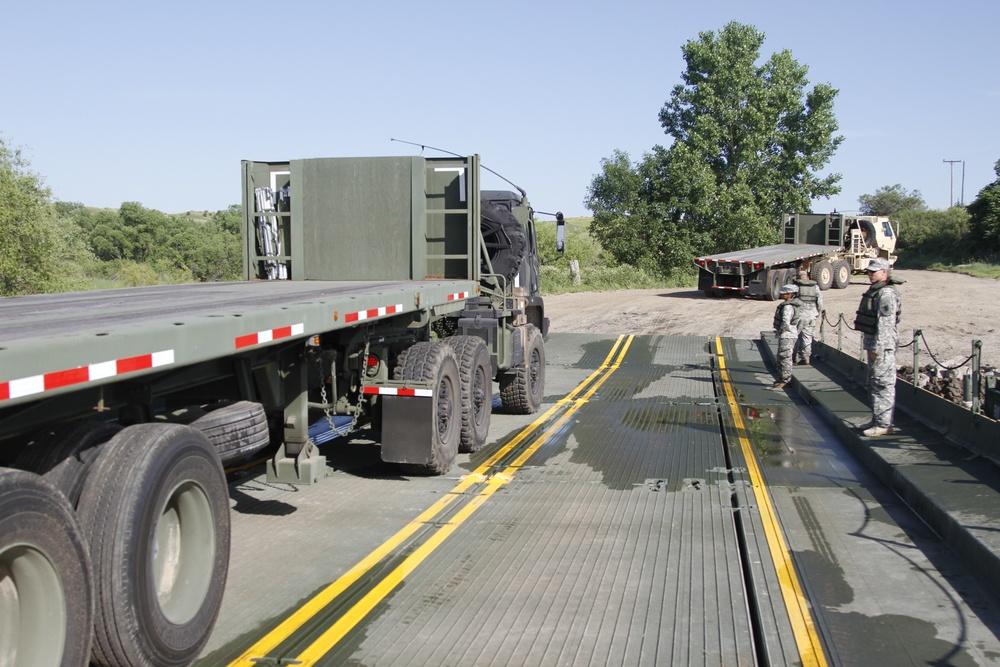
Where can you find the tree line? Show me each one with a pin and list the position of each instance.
(53, 246)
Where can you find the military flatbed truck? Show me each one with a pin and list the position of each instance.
(382, 293)
(831, 247)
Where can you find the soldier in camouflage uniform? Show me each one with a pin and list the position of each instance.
(786, 330)
(809, 313)
(878, 319)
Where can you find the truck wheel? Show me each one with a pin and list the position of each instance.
(477, 390)
(523, 388)
(841, 274)
(436, 363)
(235, 429)
(775, 279)
(504, 238)
(46, 596)
(156, 509)
(822, 273)
(64, 453)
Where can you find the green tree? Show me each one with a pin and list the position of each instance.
(926, 236)
(984, 215)
(28, 243)
(230, 220)
(890, 200)
(209, 252)
(748, 141)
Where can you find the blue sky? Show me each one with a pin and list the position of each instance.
(158, 102)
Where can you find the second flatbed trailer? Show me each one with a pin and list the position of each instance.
(829, 247)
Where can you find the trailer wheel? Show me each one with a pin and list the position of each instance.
(156, 509)
(436, 363)
(841, 274)
(523, 388)
(64, 453)
(46, 596)
(235, 429)
(477, 390)
(775, 279)
(822, 273)
(505, 240)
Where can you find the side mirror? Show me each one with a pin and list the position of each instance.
(560, 232)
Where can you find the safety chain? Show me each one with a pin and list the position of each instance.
(947, 368)
(904, 346)
(327, 411)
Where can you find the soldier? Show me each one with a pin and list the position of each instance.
(877, 320)
(785, 329)
(809, 312)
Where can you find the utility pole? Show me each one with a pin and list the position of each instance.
(951, 163)
(961, 201)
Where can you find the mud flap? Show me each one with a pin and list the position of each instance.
(408, 429)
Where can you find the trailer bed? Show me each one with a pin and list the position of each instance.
(47, 341)
(769, 255)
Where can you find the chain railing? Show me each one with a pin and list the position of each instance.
(970, 380)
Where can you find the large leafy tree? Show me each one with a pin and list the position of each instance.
(28, 244)
(749, 139)
(984, 215)
(890, 200)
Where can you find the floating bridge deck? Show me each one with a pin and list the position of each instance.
(665, 507)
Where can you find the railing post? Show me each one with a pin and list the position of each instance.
(840, 333)
(916, 357)
(977, 351)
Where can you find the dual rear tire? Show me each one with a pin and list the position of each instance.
(147, 581)
(156, 509)
(46, 593)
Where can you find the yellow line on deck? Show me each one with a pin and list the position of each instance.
(355, 614)
(806, 638)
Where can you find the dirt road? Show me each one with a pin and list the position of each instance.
(950, 309)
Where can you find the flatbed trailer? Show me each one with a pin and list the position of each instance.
(667, 507)
(385, 294)
(828, 247)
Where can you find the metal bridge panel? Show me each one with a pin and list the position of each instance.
(614, 544)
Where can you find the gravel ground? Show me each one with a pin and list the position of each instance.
(952, 310)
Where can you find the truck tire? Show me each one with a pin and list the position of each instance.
(436, 363)
(775, 279)
(64, 453)
(236, 430)
(523, 387)
(156, 509)
(822, 273)
(505, 240)
(841, 274)
(476, 377)
(791, 275)
(46, 594)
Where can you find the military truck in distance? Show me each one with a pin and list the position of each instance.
(830, 247)
(386, 292)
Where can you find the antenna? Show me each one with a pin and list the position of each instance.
(441, 150)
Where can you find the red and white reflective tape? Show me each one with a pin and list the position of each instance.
(459, 295)
(362, 315)
(398, 391)
(38, 384)
(269, 335)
